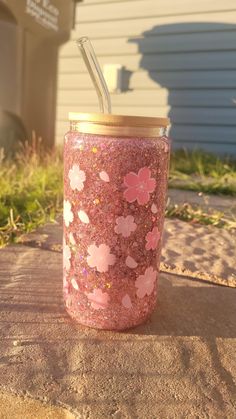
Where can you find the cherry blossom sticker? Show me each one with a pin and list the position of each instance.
(98, 299)
(74, 284)
(83, 217)
(166, 148)
(100, 257)
(77, 178)
(139, 186)
(145, 283)
(72, 239)
(126, 301)
(65, 286)
(130, 262)
(152, 238)
(104, 176)
(125, 225)
(66, 257)
(154, 208)
(67, 213)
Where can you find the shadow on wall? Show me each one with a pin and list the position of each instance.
(196, 62)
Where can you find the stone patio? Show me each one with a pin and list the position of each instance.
(180, 364)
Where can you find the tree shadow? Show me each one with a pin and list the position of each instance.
(196, 62)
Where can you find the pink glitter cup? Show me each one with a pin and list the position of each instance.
(115, 180)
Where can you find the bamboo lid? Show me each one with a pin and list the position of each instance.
(121, 120)
(118, 125)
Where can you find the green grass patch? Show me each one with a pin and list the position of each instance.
(187, 212)
(31, 191)
(203, 172)
(31, 188)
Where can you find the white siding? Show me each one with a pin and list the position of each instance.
(180, 60)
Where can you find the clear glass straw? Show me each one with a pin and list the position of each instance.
(95, 72)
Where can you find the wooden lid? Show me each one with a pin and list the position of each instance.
(119, 120)
(118, 125)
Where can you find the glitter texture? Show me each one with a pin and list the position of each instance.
(112, 242)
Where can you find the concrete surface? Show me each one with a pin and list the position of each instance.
(224, 204)
(13, 406)
(199, 251)
(192, 250)
(180, 364)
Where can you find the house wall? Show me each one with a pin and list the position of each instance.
(179, 58)
(30, 34)
(9, 99)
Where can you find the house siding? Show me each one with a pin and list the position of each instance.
(179, 59)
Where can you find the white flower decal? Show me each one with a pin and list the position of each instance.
(154, 208)
(104, 176)
(74, 284)
(83, 217)
(125, 225)
(77, 178)
(65, 286)
(72, 239)
(100, 257)
(66, 257)
(68, 214)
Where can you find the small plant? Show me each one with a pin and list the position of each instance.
(187, 212)
(203, 172)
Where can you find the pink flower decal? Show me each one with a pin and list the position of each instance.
(166, 148)
(67, 213)
(100, 257)
(125, 225)
(145, 283)
(139, 186)
(152, 238)
(66, 257)
(130, 262)
(98, 299)
(77, 178)
(126, 301)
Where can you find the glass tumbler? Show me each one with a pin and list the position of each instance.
(115, 181)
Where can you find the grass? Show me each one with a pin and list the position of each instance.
(31, 190)
(187, 212)
(203, 172)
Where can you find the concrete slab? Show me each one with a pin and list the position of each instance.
(199, 251)
(13, 406)
(192, 250)
(180, 364)
(224, 204)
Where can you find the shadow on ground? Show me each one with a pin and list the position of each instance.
(183, 353)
